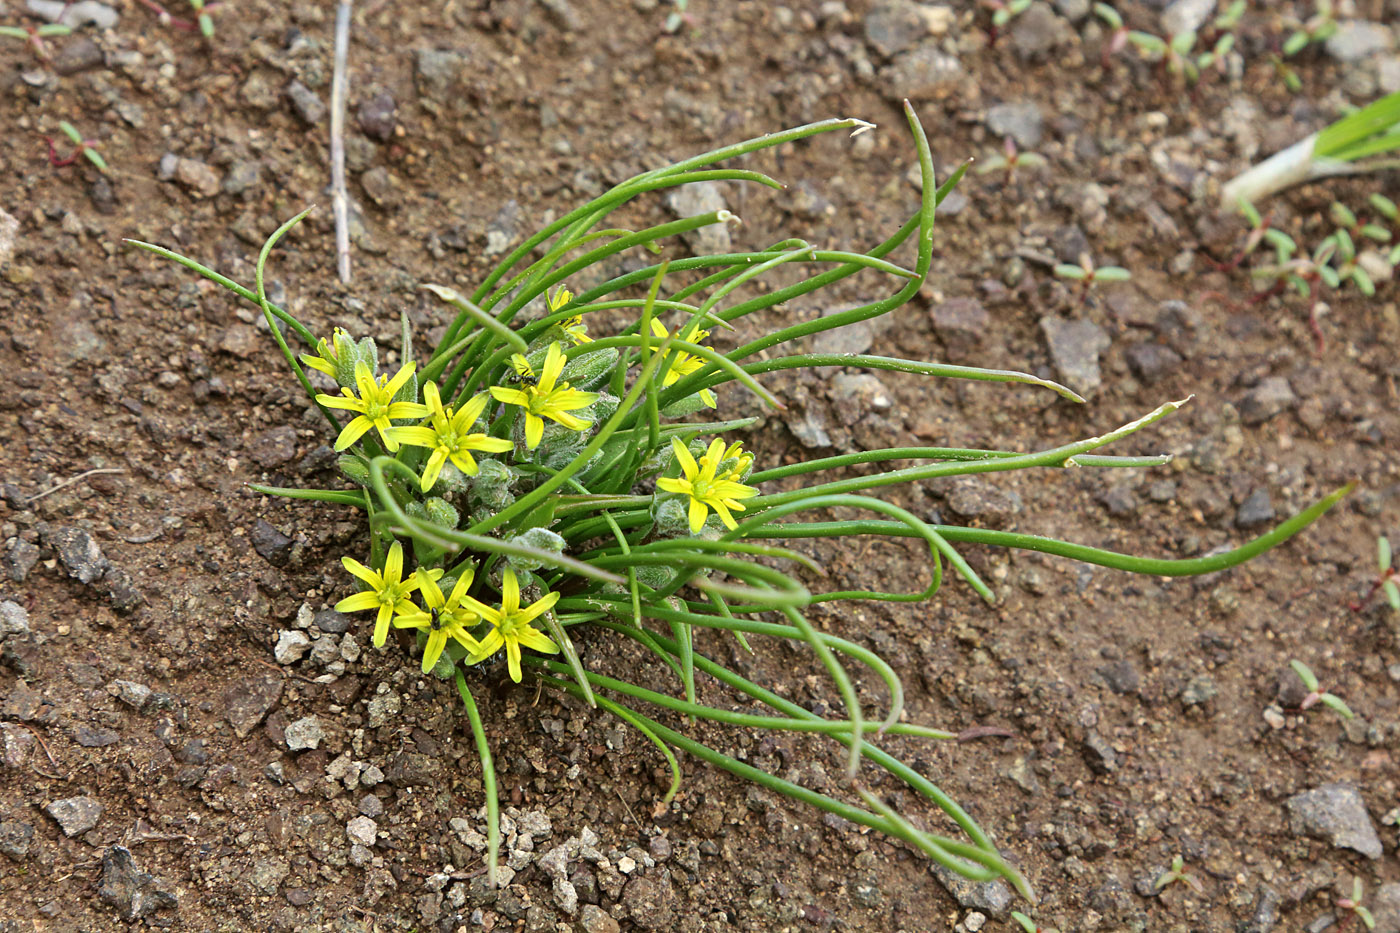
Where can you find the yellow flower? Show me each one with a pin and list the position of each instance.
(545, 399)
(745, 460)
(388, 592)
(706, 491)
(511, 625)
(684, 364)
(375, 405)
(573, 327)
(325, 358)
(443, 618)
(450, 436)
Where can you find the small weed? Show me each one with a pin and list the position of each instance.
(1315, 30)
(203, 21)
(35, 36)
(86, 148)
(1315, 694)
(1029, 925)
(1178, 872)
(1352, 905)
(1387, 578)
(1010, 159)
(1088, 276)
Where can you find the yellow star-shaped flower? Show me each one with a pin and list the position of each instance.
(684, 364)
(450, 436)
(443, 618)
(375, 405)
(388, 592)
(706, 491)
(546, 398)
(511, 625)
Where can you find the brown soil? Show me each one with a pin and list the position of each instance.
(115, 360)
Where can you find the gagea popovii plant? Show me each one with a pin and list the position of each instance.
(531, 482)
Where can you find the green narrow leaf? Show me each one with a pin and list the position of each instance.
(1383, 556)
(1334, 702)
(1304, 673)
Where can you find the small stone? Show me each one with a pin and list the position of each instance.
(1269, 398)
(855, 395)
(362, 830)
(382, 708)
(988, 897)
(925, 73)
(248, 701)
(325, 650)
(693, 200)
(1291, 689)
(1074, 349)
(594, 919)
(371, 806)
(1099, 754)
(22, 703)
(975, 921)
(1358, 40)
(267, 875)
(14, 619)
(75, 15)
(1152, 361)
(894, 26)
(659, 847)
(1335, 813)
(305, 733)
(77, 56)
(95, 736)
(17, 743)
(134, 893)
(1037, 31)
(22, 555)
(1021, 120)
(976, 498)
(1385, 908)
(1199, 690)
(1119, 500)
(275, 447)
(360, 856)
(292, 646)
(75, 815)
(377, 116)
(15, 839)
(961, 324)
(1122, 677)
(242, 175)
(1257, 509)
(201, 179)
(437, 72)
(1266, 911)
(242, 341)
(79, 553)
(503, 229)
(305, 102)
(565, 896)
(132, 694)
(371, 776)
(1186, 16)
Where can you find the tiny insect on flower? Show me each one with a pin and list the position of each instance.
(443, 618)
(375, 405)
(706, 491)
(450, 436)
(511, 625)
(547, 398)
(388, 591)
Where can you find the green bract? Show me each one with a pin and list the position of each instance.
(605, 514)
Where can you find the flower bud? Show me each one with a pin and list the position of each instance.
(441, 513)
(541, 539)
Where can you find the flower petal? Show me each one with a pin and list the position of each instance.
(342, 402)
(513, 658)
(534, 430)
(352, 432)
(489, 646)
(698, 513)
(472, 410)
(364, 573)
(537, 641)
(460, 590)
(415, 436)
(670, 484)
(510, 396)
(510, 592)
(553, 366)
(437, 640)
(686, 460)
(361, 601)
(434, 468)
(393, 564)
(381, 626)
(537, 608)
(401, 377)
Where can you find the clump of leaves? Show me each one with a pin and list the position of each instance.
(1178, 873)
(82, 148)
(1177, 56)
(532, 482)
(1316, 694)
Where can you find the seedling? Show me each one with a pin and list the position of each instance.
(1261, 230)
(1118, 33)
(1387, 578)
(1354, 908)
(203, 22)
(1315, 694)
(1177, 873)
(1317, 29)
(82, 147)
(1003, 12)
(1029, 925)
(1305, 274)
(679, 17)
(1088, 276)
(35, 36)
(1176, 55)
(1286, 73)
(1010, 160)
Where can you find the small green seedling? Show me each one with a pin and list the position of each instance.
(1029, 925)
(1315, 695)
(82, 147)
(35, 36)
(1004, 11)
(1177, 873)
(1317, 29)
(1176, 55)
(1010, 159)
(679, 17)
(203, 21)
(1118, 33)
(1088, 276)
(1354, 908)
(1387, 578)
(1261, 231)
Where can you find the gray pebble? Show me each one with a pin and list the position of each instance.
(14, 619)
(1266, 911)
(1152, 361)
(134, 893)
(77, 56)
(1021, 120)
(1186, 15)
(199, 178)
(362, 831)
(1037, 31)
(989, 897)
(377, 116)
(1074, 349)
(1385, 908)
(247, 701)
(1357, 40)
(75, 15)
(1099, 754)
(924, 73)
(15, 839)
(1257, 509)
(894, 26)
(305, 102)
(20, 559)
(1335, 813)
(594, 919)
(75, 815)
(1121, 676)
(976, 498)
(1267, 399)
(1199, 690)
(292, 646)
(79, 553)
(371, 806)
(132, 694)
(304, 733)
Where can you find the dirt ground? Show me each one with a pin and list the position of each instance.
(144, 706)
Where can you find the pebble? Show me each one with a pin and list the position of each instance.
(75, 815)
(198, 177)
(1074, 349)
(1257, 509)
(134, 893)
(304, 733)
(268, 874)
(79, 553)
(594, 919)
(242, 341)
(1266, 911)
(1121, 676)
(856, 394)
(693, 200)
(436, 72)
(382, 708)
(1151, 361)
(306, 104)
(248, 701)
(362, 830)
(961, 324)
(1036, 31)
(1335, 813)
(1021, 120)
(14, 619)
(924, 73)
(1357, 40)
(1186, 16)
(1100, 755)
(371, 776)
(16, 743)
(1199, 690)
(1119, 500)
(292, 646)
(894, 26)
(979, 499)
(75, 15)
(1270, 397)
(371, 806)
(77, 56)
(22, 555)
(377, 115)
(324, 650)
(132, 694)
(242, 176)
(503, 228)
(974, 921)
(988, 897)
(1385, 908)
(15, 839)
(565, 895)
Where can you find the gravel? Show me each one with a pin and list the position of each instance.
(1335, 813)
(134, 893)
(75, 815)
(1021, 120)
(247, 702)
(291, 647)
(362, 830)
(1074, 349)
(81, 556)
(305, 733)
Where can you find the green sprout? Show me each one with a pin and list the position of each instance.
(1286, 73)
(81, 147)
(1315, 695)
(1176, 54)
(206, 22)
(1355, 144)
(1004, 11)
(1387, 578)
(679, 17)
(1029, 925)
(1354, 907)
(1261, 231)
(35, 36)
(1317, 29)
(1009, 160)
(1088, 276)
(1178, 872)
(576, 500)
